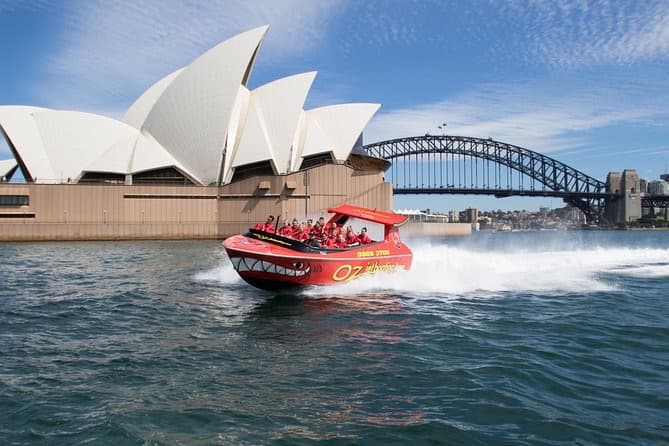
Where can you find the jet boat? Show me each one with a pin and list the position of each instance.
(272, 262)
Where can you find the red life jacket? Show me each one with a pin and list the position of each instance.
(342, 244)
(267, 227)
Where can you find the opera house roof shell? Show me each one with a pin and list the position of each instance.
(200, 120)
(7, 168)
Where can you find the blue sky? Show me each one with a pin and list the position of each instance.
(586, 82)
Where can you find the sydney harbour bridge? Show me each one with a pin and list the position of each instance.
(448, 164)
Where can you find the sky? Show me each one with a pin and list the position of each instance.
(585, 82)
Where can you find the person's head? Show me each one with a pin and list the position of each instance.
(295, 222)
(310, 222)
(342, 237)
(321, 220)
(349, 230)
(363, 230)
(270, 219)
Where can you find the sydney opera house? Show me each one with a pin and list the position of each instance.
(197, 155)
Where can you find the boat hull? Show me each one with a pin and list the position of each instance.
(271, 262)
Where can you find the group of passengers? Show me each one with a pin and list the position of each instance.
(319, 234)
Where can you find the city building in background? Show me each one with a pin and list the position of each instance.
(658, 187)
(470, 215)
(433, 224)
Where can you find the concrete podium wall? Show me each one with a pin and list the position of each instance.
(434, 229)
(120, 212)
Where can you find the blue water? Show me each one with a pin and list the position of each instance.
(545, 338)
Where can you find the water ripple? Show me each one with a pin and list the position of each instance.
(161, 343)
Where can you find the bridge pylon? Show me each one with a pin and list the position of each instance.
(626, 206)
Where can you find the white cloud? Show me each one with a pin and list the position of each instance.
(571, 34)
(376, 24)
(111, 47)
(15, 5)
(642, 151)
(535, 115)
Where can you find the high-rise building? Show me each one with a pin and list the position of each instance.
(658, 187)
(471, 215)
(643, 186)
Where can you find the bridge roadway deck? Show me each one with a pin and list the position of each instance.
(500, 192)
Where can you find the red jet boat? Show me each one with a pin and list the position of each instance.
(269, 261)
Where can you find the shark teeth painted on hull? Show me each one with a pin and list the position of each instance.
(242, 264)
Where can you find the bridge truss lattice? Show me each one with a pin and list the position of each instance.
(446, 164)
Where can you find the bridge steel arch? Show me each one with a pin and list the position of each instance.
(423, 154)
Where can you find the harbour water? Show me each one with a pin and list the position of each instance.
(545, 338)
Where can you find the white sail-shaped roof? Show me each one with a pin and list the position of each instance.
(191, 117)
(19, 125)
(271, 122)
(73, 140)
(253, 145)
(57, 146)
(6, 166)
(201, 120)
(235, 129)
(298, 141)
(117, 158)
(282, 103)
(139, 110)
(149, 155)
(137, 152)
(334, 128)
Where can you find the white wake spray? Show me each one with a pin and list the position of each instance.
(443, 269)
(223, 273)
(462, 270)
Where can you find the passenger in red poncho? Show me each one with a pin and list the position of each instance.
(351, 238)
(363, 238)
(341, 241)
(319, 228)
(301, 233)
(285, 230)
(330, 241)
(295, 228)
(268, 226)
(333, 229)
